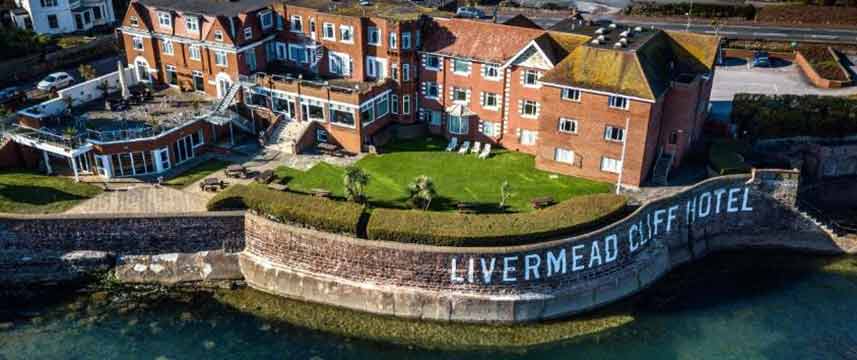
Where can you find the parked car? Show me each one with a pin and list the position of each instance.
(761, 59)
(55, 82)
(470, 13)
(12, 95)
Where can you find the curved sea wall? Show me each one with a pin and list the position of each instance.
(533, 282)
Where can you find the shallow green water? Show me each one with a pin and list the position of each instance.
(726, 307)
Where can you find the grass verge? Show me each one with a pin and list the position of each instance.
(27, 192)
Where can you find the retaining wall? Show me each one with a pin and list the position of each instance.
(526, 283)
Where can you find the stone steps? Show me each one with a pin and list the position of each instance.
(288, 134)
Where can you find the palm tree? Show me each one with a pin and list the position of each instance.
(87, 72)
(355, 180)
(421, 192)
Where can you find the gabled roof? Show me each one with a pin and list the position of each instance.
(522, 21)
(495, 43)
(209, 7)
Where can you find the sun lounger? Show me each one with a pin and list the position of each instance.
(452, 144)
(464, 147)
(476, 147)
(486, 151)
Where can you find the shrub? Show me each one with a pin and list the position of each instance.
(726, 157)
(779, 116)
(319, 213)
(699, 10)
(822, 60)
(576, 215)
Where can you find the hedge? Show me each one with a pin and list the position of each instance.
(573, 216)
(823, 61)
(780, 116)
(698, 10)
(314, 212)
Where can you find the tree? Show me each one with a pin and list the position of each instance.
(421, 192)
(355, 180)
(87, 72)
(505, 193)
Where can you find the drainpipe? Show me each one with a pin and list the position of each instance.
(622, 159)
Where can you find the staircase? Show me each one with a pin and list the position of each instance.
(662, 168)
(845, 235)
(243, 123)
(286, 135)
(227, 100)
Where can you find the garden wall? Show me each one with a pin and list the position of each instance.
(531, 282)
(815, 78)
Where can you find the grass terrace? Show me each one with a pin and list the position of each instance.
(26, 192)
(197, 173)
(457, 178)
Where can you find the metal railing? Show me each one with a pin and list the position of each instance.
(67, 141)
(837, 226)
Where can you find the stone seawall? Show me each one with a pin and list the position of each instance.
(534, 282)
(167, 248)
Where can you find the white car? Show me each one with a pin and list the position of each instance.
(55, 81)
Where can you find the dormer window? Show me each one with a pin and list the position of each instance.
(191, 23)
(346, 34)
(218, 35)
(134, 21)
(248, 33)
(267, 19)
(165, 20)
(296, 24)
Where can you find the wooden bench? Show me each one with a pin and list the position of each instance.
(322, 193)
(542, 202)
(236, 171)
(265, 177)
(466, 208)
(211, 184)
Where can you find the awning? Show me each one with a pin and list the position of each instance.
(459, 110)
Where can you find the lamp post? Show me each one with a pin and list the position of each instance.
(690, 10)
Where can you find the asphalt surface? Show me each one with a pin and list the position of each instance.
(102, 66)
(762, 32)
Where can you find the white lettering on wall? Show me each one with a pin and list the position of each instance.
(556, 263)
(509, 268)
(531, 265)
(487, 272)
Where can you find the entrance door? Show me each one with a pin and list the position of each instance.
(223, 86)
(78, 21)
(143, 71)
(162, 159)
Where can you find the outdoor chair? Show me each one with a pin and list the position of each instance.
(464, 147)
(476, 147)
(452, 144)
(486, 151)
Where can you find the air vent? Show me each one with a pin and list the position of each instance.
(625, 33)
(638, 29)
(618, 44)
(600, 31)
(613, 26)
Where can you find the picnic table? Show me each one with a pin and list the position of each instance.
(236, 170)
(329, 149)
(542, 202)
(211, 184)
(323, 193)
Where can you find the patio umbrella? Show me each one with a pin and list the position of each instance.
(122, 85)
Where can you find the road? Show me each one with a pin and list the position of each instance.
(102, 66)
(845, 36)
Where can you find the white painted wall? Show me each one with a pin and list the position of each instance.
(65, 15)
(80, 93)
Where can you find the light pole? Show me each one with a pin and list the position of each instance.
(690, 10)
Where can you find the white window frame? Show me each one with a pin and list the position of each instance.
(191, 24)
(455, 71)
(406, 40)
(165, 19)
(459, 90)
(463, 123)
(248, 33)
(433, 68)
(406, 72)
(614, 134)
(194, 50)
(346, 29)
(611, 165)
(167, 46)
(218, 35)
(529, 137)
(393, 40)
(564, 156)
(250, 60)
(573, 123)
(618, 102)
(432, 84)
(134, 21)
(345, 69)
(218, 55)
(535, 106)
(406, 104)
(137, 43)
(324, 31)
(487, 68)
(376, 67)
(569, 94)
(296, 19)
(496, 97)
(535, 76)
(494, 132)
(267, 14)
(302, 50)
(374, 36)
(394, 104)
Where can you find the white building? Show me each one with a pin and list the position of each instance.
(62, 16)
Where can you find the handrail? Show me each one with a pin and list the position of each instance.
(820, 215)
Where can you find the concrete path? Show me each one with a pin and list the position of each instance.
(139, 199)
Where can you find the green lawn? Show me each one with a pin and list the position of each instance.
(27, 192)
(198, 172)
(458, 178)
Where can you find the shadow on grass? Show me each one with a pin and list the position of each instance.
(35, 195)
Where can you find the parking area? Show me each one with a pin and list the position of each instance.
(782, 78)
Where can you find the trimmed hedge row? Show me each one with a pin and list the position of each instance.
(575, 215)
(698, 10)
(779, 116)
(319, 213)
(726, 157)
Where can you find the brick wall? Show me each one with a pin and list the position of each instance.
(123, 234)
(525, 283)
